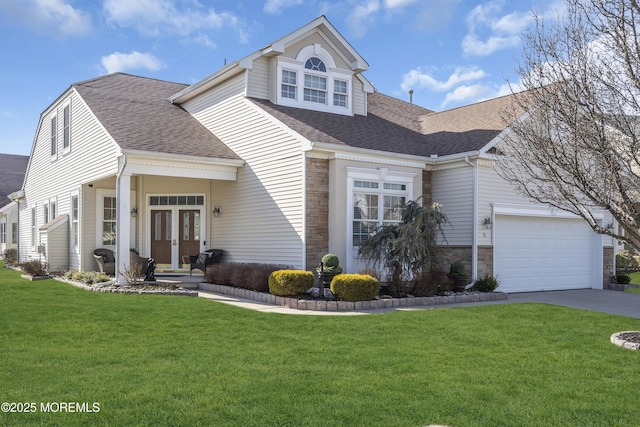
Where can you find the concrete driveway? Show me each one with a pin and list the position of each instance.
(612, 302)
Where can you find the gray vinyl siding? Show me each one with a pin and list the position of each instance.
(92, 156)
(262, 212)
(453, 188)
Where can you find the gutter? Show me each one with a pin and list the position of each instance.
(474, 247)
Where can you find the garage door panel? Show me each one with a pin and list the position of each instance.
(533, 253)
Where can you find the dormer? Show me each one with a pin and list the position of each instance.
(312, 68)
(312, 81)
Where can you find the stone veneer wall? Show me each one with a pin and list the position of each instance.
(485, 260)
(317, 210)
(427, 198)
(607, 266)
(447, 255)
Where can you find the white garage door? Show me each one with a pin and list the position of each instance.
(535, 254)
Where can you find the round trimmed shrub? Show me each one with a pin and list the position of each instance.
(331, 264)
(355, 287)
(290, 282)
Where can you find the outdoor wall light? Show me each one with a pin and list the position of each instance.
(487, 222)
(134, 212)
(217, 211)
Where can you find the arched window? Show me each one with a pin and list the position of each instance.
(315, 64)
(313, 80)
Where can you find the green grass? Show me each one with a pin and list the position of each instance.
(635, 278)
(180, 361)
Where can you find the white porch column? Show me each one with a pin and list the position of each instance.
(123, 225)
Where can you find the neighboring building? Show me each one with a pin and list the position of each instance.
(12, 170)
(280, 157)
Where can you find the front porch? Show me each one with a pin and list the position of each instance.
(161, 209)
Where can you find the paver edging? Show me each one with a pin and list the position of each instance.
(327, 305)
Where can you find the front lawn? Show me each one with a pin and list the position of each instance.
(184, 361)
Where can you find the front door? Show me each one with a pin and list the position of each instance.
(162, 237)
(189, 239)
(176, 233)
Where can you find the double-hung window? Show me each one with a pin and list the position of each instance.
(109, 221)
(340, 93)
(66, 130)
(14, 232)
(34, 228)
(3, 232)
(289, 84)
(74, 220)
(54, 136)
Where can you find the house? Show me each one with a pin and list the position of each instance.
(12, 170)
(280, 157)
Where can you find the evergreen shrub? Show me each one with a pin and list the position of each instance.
(290, 282)
(355, 287)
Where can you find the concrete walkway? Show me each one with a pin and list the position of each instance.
(611, 302)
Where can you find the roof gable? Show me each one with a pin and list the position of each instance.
(12, 170)
(136, 113)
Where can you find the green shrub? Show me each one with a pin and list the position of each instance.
(355, 287)
(623, 278)
(486, 283)
(331, 264)
(626, 261)
(87, 277)
(290, 282)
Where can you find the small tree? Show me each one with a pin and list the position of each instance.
(578, 148)
(409, 245)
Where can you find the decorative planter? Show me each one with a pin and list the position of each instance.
(460, 283)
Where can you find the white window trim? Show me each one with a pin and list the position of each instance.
(100, 195)
(14, 233)
(297, 65)
(67, 149)
(75, 247)
(381, 176)
(33, 227)
(53, 144)
(3, 232)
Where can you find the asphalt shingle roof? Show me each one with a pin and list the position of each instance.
(12, 170)
(400, 127)
(136, 113)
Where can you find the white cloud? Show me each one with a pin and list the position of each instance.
(165, 17)
(491, 31)
(275, 7)
(471, 45)
(392, 4)
(417, 79)
(118, 61)
(48, 17)
(469, 94)
(361, 16)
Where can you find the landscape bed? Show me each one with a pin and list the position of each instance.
(150, 360)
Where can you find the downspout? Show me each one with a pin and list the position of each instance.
(474, 247)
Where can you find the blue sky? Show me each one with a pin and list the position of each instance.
(449, 52)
